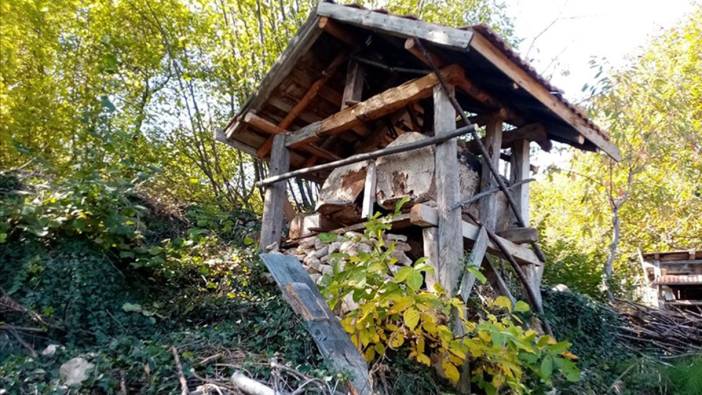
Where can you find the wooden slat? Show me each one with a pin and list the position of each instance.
(447, 193)
(353, 89)
(302, 294)
(475, 259)
(520, 235)
(527, 82)
(339, 32)
(430, 242)
(272, 221)
(423, 215)
(374, 107)
(397, 26)
(369, 190)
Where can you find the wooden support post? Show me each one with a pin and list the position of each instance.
(431, 252)
(447, 194)
(493, 143)
(477, 254)
(520, 172)
(369, 190)
(272, 222)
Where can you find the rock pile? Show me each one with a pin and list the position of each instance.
(315, 254)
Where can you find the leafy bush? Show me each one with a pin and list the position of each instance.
(394, 311)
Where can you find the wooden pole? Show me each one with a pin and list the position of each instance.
(272, 222)
(368, 155)
(447, 192)
(520, 172)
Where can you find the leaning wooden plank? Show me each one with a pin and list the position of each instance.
(447, 194)
(369, 155)
(430, 244)
(302, 294)
(424, 215)
(396, 25)
(477, 254)
(272, 221)
(377, 106)
(527, 82)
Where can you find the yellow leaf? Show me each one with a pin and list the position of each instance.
(450, 371)
(396, 339)
(411, 318)
(504, 302)
(369, 355)
(422, 358)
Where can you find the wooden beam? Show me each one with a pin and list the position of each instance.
(463, 82)
(374, 107)
(396, 25)
(531, 132)
(493, 144)
(423, 215)
(520, 235)
(447, 193)
(475, 259)
(333, 342)
(520, 172)
(272, 221)
(339, 32)
(527, 82)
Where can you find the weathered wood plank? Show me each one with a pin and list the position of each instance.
(424, 215)
(493, 143)
(527, 82)
(475, 259)
(519, 172)
(353, 89)
(369, 190)
(374, 107)
(430, 241)
(447, 194)
(302, 294)
(272, 221)
(397, 26)
(520, 235)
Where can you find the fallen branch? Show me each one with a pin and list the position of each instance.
(179, 369)
(250, 386)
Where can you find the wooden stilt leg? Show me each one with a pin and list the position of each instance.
(272, 222)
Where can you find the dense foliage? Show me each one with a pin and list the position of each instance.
(390, 310)
(653, 112)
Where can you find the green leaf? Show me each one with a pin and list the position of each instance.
(132, 308)
(521, 306)
(415, 280)
(478, 275)
(546, 367)
(411, 318)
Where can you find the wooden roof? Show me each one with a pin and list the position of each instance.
(667, 256)
(333, 33)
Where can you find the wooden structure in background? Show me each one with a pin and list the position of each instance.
(353, 80)
(672, 278)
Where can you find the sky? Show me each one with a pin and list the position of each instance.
(560, 37)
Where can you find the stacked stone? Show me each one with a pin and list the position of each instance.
(315, 254)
